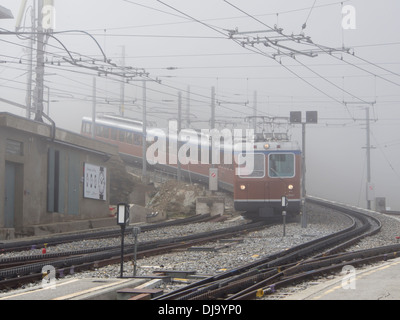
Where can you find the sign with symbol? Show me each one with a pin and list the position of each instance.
(95, 182)
(213, 179)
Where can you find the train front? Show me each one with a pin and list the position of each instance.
(263, 175)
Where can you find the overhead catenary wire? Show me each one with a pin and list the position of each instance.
(65, 67)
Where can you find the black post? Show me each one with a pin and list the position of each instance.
(284, 222)
(122, 249)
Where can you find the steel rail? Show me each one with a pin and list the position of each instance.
(113, 255)
(252, 277)
(23, 245)
(314, 268)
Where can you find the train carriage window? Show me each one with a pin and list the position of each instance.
(86, 128)
(98, 130)
(105, 132)
(258, 168)
(129, 137)
(121, 136)
(137, 139)
(281, 165)
(114, 133)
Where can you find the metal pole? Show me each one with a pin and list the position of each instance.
(303, 180)
(30, 69)
(122, 95)
(255, 113)
(284, 222)
(94, 109)
(39, 65)
(212, 108)
(179, 176)
(122, 249)
(144, 168)
(368, 158)
(188, 108)
(213, 151)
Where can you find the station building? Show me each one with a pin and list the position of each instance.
(49, 175)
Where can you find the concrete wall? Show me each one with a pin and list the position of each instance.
(31, 173)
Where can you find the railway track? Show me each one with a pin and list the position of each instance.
(266, 275)
(256, 279)
(18, 271)
(39, 243)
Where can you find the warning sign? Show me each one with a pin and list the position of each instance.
(213, 179)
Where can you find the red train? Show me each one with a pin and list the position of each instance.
(277, 173)
(257, 189)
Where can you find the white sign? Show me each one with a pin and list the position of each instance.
(95, 185)
(213, 179)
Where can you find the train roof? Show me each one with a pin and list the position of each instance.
(265, 143)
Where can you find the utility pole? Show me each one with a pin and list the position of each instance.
(304, 218)
(370, 187)
(39, 65)
(145, 179)
(30, 68)
(296, 118)
(94, 109)
(144, 141)
(179, 176)
(122, 107)
(212, 123)
(255, 112)
(188, 108)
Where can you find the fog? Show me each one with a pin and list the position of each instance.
(184, 44)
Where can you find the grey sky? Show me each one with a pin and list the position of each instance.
(183, 52)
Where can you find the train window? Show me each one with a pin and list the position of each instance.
(114, 133)
(86, 128)
(258, 168)
(281, 165)
(98, 130)
(105, 132)
(137, 139)
(121, 136)
(129, 137)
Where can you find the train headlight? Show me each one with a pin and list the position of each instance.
(242, 187)
(290, 187)
(266, 146)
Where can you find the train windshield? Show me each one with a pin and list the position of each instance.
(281, 165)
(258, 170)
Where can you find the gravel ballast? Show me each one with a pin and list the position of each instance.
(228, 255)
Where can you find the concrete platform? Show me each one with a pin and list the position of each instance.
(76, 289)
(381, 282)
